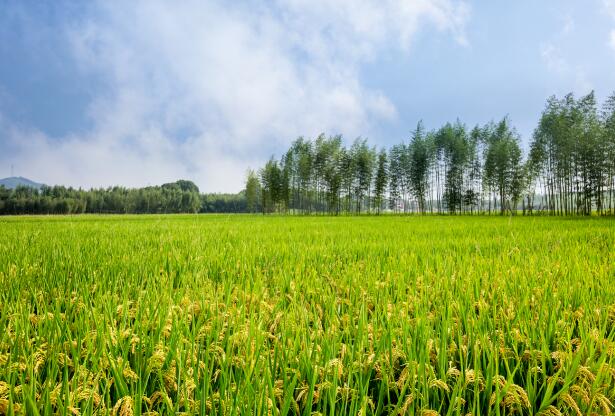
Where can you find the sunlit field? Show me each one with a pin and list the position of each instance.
(226, 315)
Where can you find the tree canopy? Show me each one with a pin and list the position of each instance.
(176, 197)
(569, 169)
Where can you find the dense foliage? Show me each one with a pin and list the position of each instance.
(224, 203)
(570, 169)
(257, 315)
(177, 197)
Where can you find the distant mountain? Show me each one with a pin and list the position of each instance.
(15, 181)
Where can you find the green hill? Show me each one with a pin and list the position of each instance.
(15, 181)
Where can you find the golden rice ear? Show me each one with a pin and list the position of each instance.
(123, 407)
(568, 401)
(6, 405)
(439, 384)
(604, 403)
(550, 411)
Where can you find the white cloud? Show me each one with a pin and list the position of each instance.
(609, 5)
(575, 75)
(202, 90)
(568, 24)
(552, 57)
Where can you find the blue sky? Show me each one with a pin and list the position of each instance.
(145, 92)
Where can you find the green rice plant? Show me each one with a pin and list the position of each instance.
(223, 315)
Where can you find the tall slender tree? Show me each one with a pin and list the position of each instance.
(253, 191)
(503, 166)
(608, 122)
(381, 179)
(421, 158)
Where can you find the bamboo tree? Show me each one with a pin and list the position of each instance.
(380, 180)
(272, 186)
(364, 161)
(332, 173)
(503, 168)
(253, 191)
(421, 159)
(608, 138)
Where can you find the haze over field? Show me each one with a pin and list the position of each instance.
(133, 93)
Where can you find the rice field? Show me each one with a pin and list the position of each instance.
(225, 315)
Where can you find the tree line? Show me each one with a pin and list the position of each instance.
(178, 197)
(569, 169)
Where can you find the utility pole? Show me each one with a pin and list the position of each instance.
(12, 170)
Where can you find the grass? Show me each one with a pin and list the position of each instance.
(250, 315)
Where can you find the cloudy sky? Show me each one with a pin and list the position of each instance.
(110, 92)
